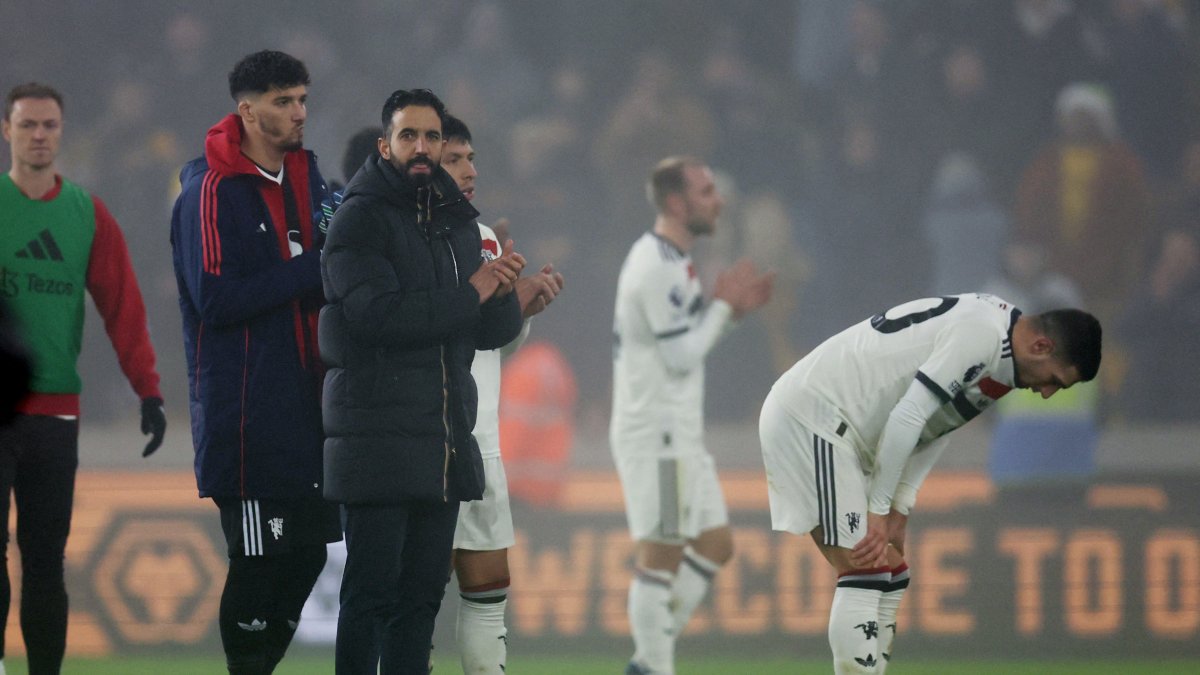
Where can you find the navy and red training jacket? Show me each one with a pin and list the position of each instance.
(250, 300)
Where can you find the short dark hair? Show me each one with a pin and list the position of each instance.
(455, 129)
(30, 90)
(1077, 336)
(667, 179)
(402, 98)
(358, 149)
(263, 71)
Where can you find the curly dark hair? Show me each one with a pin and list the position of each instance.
(263, 71)
(402, 98)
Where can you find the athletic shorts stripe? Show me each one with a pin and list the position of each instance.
(251, 527)
(668, 493)
(826, 490)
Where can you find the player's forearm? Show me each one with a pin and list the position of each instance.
(896, 444)
(914, 474)
(685, 352)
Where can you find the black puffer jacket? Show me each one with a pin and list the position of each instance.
(398, 336)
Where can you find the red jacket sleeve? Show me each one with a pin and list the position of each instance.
(114, 289)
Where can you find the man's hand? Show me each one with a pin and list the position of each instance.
(897, 526)
(496, 278)
(872, 550)
(537, 291)
(744, 287)
(154, 421)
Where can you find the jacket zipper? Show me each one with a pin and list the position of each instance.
(446, 426)
(450, 445)
(448, 438)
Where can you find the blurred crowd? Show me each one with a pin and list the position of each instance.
(870, 152)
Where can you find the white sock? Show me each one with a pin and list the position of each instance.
(692, 582)
(650, 620)
(481, 634)
(854, 621)
(889, 606)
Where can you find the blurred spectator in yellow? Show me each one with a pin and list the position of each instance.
(1084, 199)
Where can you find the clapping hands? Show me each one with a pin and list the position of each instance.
(744, 287)
(537, 291)
(495, 279)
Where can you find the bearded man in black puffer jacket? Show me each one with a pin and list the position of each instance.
(410, 301)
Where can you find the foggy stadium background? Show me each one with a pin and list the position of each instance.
(869, 152)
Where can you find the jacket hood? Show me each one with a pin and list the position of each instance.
(223, 149)
(192, 169)
(379, 179)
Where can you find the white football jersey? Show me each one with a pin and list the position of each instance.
(486, 371)
(655, 411)
(959, 346)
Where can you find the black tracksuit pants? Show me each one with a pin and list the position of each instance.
(38, 459)
(397, 566)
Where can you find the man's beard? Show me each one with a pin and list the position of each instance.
(1017, 382)
(286, 143)
(420, 179)
(698, 226)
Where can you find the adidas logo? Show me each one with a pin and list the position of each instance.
(43, 247)
(868, 662)
(254, 626)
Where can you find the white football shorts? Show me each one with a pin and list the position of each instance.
(811, 480)
(671, 499)
(486, 524)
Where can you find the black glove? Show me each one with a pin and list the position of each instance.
(154, 421)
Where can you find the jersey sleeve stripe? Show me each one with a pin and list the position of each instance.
(934, 387)
(208, 224)
(965, 408)
(671, 333)
(204, 246)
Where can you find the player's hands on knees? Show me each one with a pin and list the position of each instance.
(537, 291)
(744, 287)
(872, 550)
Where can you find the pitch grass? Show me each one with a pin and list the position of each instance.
(307, 665)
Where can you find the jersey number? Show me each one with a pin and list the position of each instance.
(883, 324)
